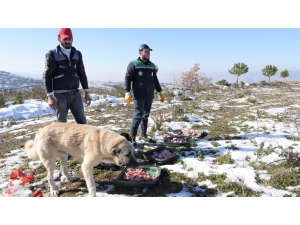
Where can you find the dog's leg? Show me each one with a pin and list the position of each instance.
(89, 179)
(49, 163)
(63, 157)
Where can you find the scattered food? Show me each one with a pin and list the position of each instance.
(175, 139)
(193, 133)
(37, 193)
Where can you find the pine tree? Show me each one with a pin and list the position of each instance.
(269, 71)
(284, 74)
(238, 69)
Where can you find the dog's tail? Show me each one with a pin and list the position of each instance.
(30, 149)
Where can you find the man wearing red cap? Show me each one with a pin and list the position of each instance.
(64, 70)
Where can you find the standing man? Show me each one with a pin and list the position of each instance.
(64, 70)
(141, 75)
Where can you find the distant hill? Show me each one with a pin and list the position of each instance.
(11, 81)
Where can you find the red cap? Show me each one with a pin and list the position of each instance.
(65, 33)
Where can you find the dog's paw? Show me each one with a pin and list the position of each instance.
(68, 177)
(91, 195)
(54, 193)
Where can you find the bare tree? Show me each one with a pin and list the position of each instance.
(191, 78)
(204, 81)
(176, 82)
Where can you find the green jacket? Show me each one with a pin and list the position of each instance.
(141, 77)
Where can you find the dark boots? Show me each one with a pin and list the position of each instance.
(133, 141)
(144, 137)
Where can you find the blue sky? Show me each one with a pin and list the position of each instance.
(107, 50)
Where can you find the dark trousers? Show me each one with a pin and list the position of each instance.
(72, 101)
(142, 108)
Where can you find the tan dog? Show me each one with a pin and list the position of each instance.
(88, 144)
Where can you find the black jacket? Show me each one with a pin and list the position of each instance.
(142, 77)
(64, 74)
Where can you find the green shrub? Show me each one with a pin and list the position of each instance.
(235, 85)
(196, 127)
(263, 83)
(242, 84)
(12, 120)
(181, 96)
(239, 95)
(233, 147)
(283, 178)
(224, 185)
(18, 99)
(2, 101)
(200, 155)
(260, 152)
(169, 95)
(251, 100)
(119, 91)
(177, 112)
(214, 143)
(224, 159)
(36, 92)
(223, 82)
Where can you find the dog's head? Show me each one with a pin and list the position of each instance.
(123, 154)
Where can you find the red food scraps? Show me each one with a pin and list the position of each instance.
(138, 175)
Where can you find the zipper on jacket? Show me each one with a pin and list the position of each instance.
(67, 57)
(147, 80)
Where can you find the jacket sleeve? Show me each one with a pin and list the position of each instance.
(129, 76)
(49, 70)
(156, 82)
(81, 73)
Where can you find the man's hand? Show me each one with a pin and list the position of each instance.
(87, 99)
(52, 102)
(128, 98)
(162, 97)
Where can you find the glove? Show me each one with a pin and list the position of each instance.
(128, 98)
(162, 97)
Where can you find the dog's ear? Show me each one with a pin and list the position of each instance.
(127, 136)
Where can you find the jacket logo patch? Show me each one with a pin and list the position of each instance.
(140, 85)
(140, 73)
(62, 66)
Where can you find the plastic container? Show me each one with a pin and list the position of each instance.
(176, 144)
(149, 169)
(149, 155)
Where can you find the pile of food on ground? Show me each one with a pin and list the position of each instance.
(193, 133)
(164, 154)
(175, 139)
(138, 175)
(15, 187)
